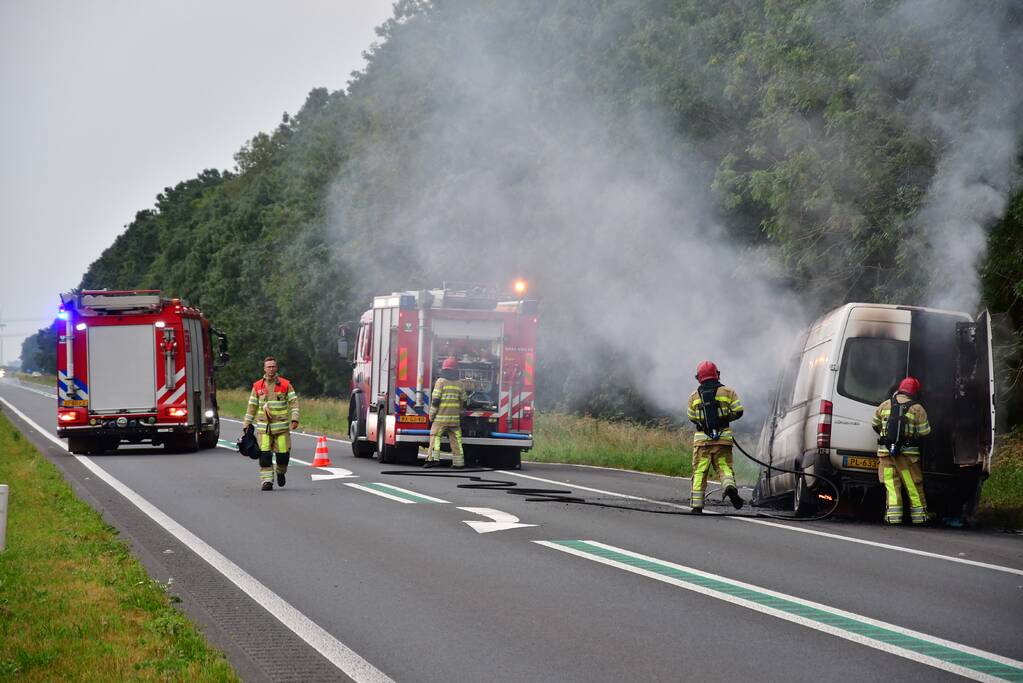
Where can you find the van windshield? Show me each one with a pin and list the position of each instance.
(871, 368)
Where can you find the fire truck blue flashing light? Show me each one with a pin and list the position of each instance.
(63, 315)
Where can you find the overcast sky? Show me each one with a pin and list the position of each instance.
(105, 103)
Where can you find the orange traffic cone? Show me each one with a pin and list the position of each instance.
(321, 459)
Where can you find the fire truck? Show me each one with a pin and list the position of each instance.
(399, 346)
(134, 367)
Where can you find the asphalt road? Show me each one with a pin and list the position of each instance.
(349, 577)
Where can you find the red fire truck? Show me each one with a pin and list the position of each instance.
(398, 349)
(134, 367)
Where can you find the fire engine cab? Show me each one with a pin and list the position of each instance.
(134, 367)
(398, 350)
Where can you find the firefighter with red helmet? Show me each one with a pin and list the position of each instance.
(447, 403)
(712, 407)
(901, 422)
(272, 402)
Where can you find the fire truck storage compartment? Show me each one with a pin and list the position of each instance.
(476, 345)
(195, 371)
(384, 321)
(122, 368)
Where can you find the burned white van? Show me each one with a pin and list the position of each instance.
(846, 364)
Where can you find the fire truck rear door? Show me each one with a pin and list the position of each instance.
(122, 368)
(195, 375)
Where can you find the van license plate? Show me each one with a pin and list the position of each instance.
(861, 463)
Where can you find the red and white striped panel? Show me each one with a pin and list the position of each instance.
(172, 396)
(516, 406)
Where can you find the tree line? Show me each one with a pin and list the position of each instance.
(807, 126)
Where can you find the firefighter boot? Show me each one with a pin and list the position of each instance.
(267, 486)
(281, 467)
(732, 494)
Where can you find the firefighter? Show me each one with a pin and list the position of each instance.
(711, 408)
(447, 403)
(272, 402)
(901, 422)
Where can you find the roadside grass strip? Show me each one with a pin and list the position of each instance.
(396, 493)
(920, 647)
(339, 654)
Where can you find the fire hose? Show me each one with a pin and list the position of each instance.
(560, 496)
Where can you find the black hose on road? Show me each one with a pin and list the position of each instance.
(537, 495)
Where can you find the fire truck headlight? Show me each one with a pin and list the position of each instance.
(160, 323)
(122, 422)
(80, 326)
(208, 413)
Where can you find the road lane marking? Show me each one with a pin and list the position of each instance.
(335, 473)
(396, 493)
(502, 521)
(778, 525)
(920, 647)
(748, 520)
(339, 654)
(18, 384)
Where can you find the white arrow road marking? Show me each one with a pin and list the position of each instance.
(335, 473)
(502, 520)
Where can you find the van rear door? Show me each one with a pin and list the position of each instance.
(874, 356)
(974, 397)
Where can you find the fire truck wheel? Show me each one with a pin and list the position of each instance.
(80, 445)
(209, 438)
(182, 443)
(360, 449)
(385, 453)
(406, 453)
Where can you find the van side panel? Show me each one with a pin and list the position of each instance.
(854, 369)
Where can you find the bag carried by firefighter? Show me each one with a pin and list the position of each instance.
(247, 444)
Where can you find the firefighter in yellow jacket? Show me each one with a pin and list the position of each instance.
(901, 422)
(447, 403)
(711, 408)
(273, 405)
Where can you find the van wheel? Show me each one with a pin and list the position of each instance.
(802, 500)
(360, 449)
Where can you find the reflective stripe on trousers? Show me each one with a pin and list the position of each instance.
(898, 472)
(454, 435)
(703, 458)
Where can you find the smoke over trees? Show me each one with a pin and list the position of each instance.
(678, 179)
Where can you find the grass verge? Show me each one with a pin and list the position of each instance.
(1001, 502)
(75, 605)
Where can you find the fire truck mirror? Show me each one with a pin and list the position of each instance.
(342, 347)
(223, 359)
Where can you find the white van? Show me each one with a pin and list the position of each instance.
(846, 364)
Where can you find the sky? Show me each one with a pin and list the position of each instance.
(105, 103)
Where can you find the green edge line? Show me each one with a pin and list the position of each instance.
(384, 488)
(882, 635)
